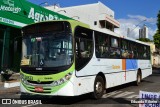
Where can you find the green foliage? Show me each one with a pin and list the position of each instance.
(157, 40)
(158, 22)
(157, 35)
(144, 40)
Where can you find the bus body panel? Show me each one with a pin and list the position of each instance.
(84, 85)
(67, 90)
(64, 91)
(113, 70)
(146, 67)
(76, 86)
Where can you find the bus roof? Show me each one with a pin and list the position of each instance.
(73, 22)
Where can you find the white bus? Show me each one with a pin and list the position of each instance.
(68, 58)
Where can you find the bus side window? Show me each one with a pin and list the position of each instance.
(135, 51)
(83, 48)
(114, 49)
(132, 55)
(78, 51)
(148, 52)
(140, 51)
(145, 52)
(101, 42)
(124, 49)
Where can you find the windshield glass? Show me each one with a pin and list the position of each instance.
(47, 50)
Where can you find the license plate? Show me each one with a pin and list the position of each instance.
(39, 89)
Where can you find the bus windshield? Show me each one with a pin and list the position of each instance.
(47, 50)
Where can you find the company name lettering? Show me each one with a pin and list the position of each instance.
(10, 9)
(37, 17)
(115, 67)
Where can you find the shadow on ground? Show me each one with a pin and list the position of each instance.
(83, 99)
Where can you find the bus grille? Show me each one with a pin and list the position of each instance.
(45, 90)
(42, 82)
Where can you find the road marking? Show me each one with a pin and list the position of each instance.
(30, 105)
(111, 94)
(133, 96)
(11, 85)
(118, 94)
(123, 94)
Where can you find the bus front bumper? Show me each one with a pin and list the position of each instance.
(65, 89)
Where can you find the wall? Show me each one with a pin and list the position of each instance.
(156, 60)
(85, 13)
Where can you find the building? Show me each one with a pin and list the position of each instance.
(155, 56)
(143, 33)
(152, 50)
(96, 15)
(14, 14)
(128, 32)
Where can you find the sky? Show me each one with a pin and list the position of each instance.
(130, 13)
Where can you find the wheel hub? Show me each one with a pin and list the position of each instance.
(99, 87)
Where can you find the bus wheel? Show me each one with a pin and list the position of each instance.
(138, 81)
(98, 88)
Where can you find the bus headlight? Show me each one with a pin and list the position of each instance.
(22, 77)
(55, 83)
(68, 76)
(59, 82)
(62, 80)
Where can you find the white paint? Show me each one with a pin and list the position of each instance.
(30, 105)
(10, 85)
(123, 94)
(133, 96)
(111, 94)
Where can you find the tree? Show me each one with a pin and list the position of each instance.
(144, 39)
(157, 40)
(157, 35)
(158, 22)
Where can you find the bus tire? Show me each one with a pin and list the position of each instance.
(139, 79)
(99, 87)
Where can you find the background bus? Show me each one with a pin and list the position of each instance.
(67, 58)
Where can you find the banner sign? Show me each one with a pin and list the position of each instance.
(17, 13)
(149, 99)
